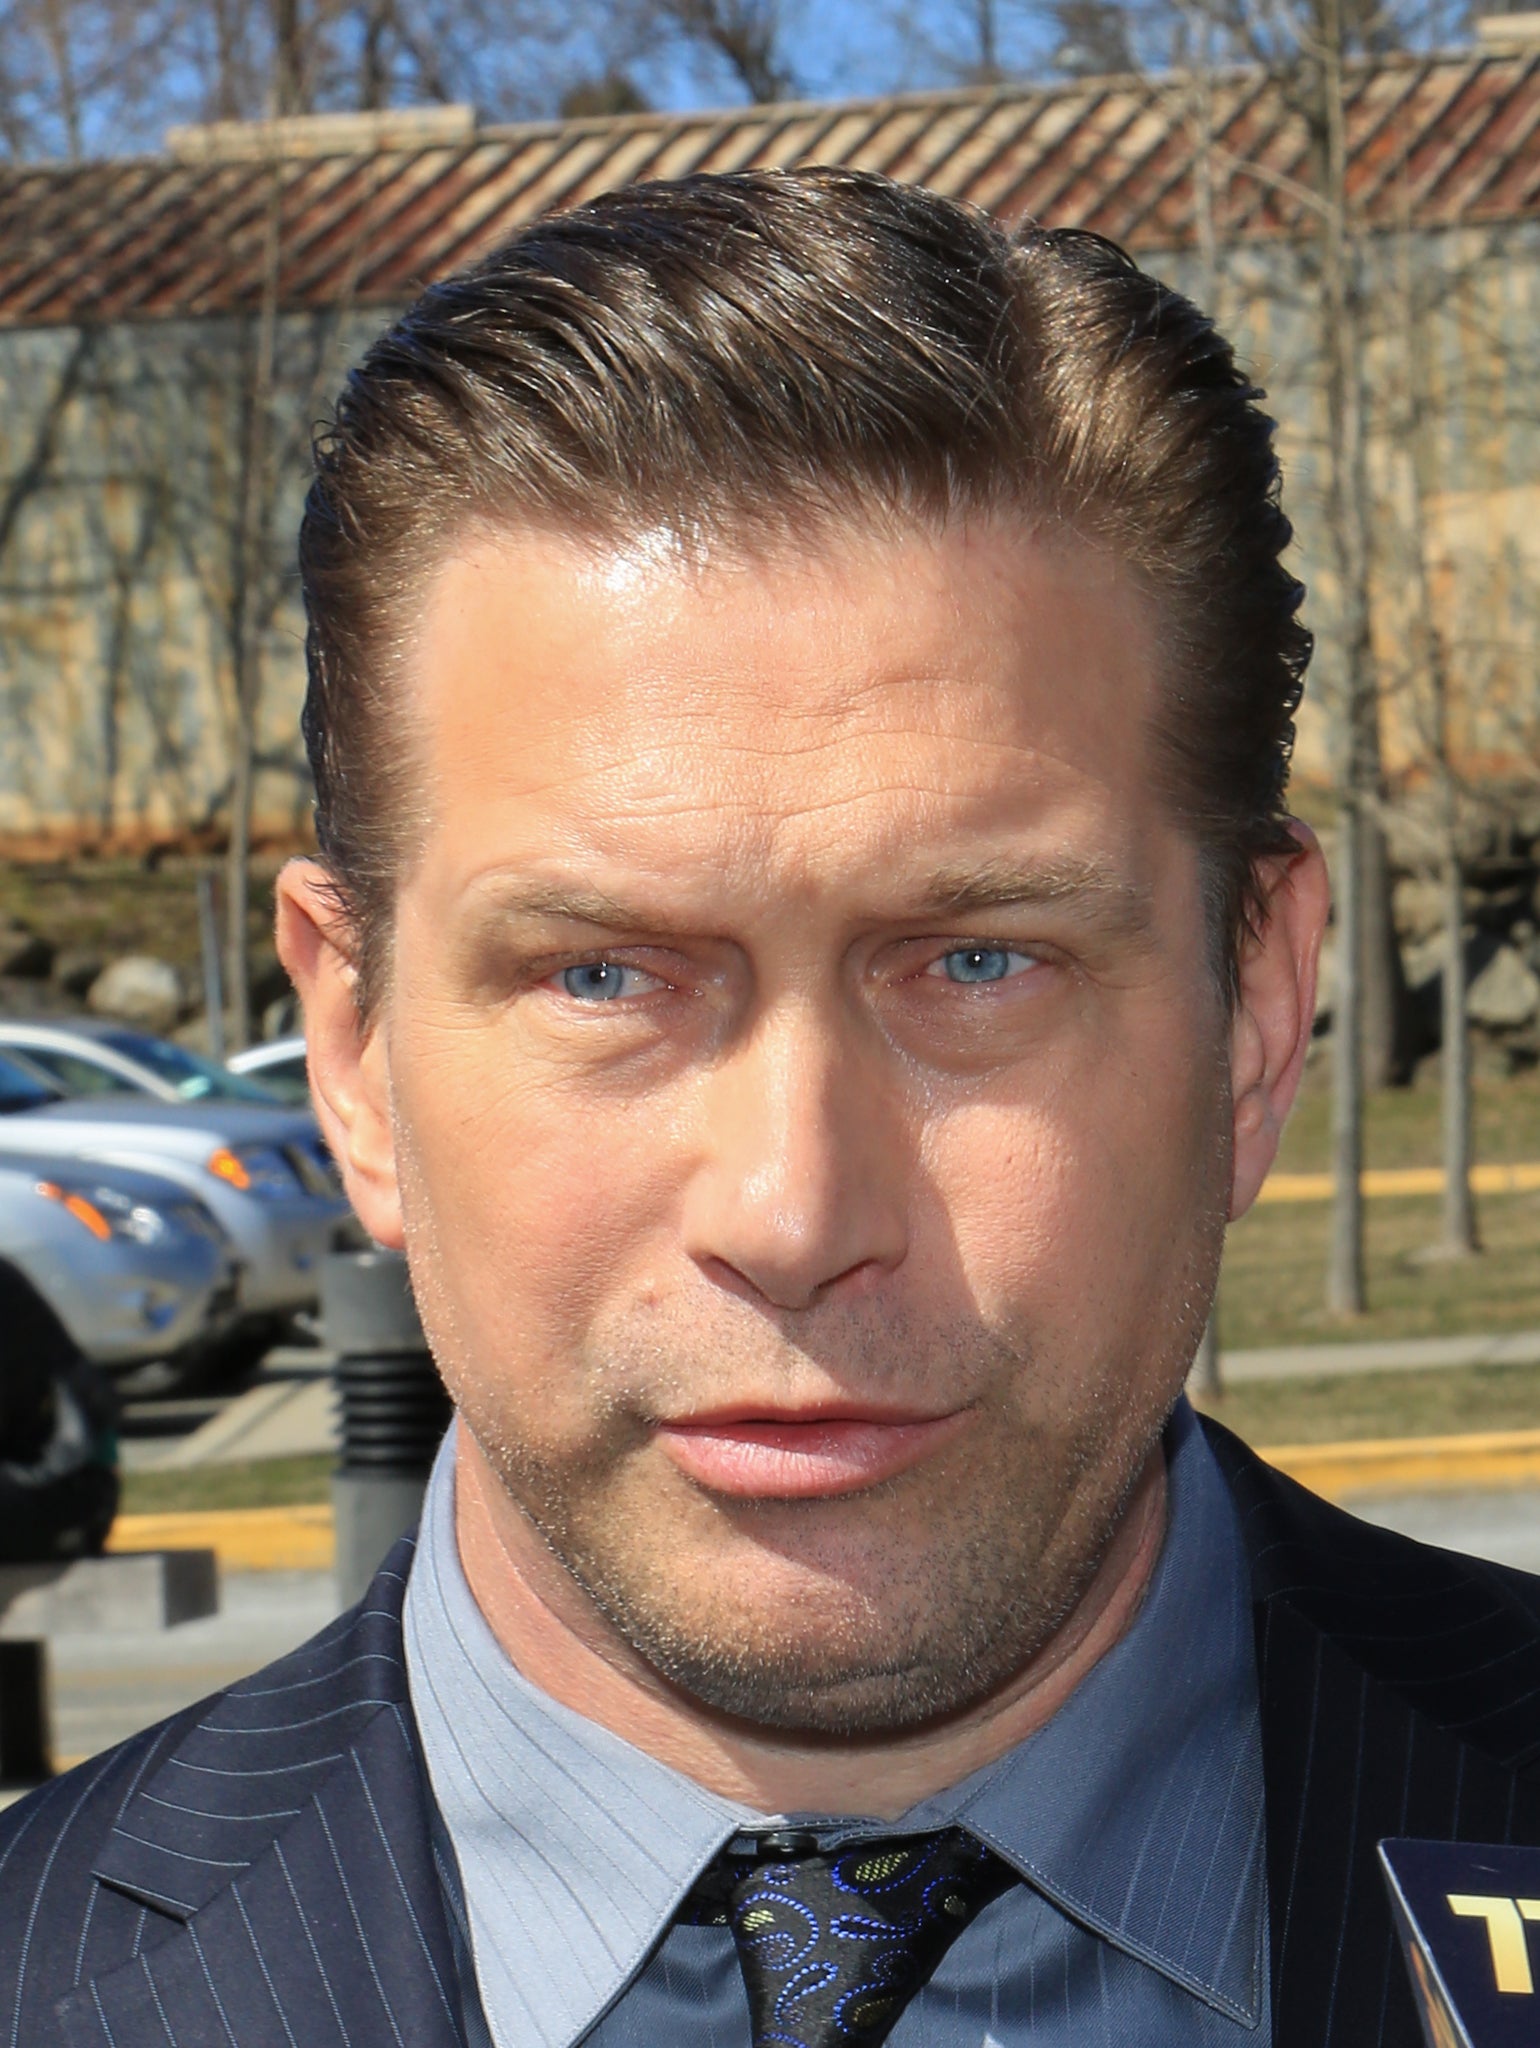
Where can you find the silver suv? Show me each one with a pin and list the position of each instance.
(133, 1266)
(264, 1172)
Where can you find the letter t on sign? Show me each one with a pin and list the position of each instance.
(1460, 1909)
(1505, 1932)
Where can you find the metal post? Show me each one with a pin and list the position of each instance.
(1205, 1376)
(25, 1749)
(393, 1408)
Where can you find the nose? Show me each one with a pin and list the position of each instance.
(801, 1185)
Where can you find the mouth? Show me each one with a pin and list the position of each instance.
(768, 1454)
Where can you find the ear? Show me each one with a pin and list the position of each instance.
(1275, 1009)
(349, 1070)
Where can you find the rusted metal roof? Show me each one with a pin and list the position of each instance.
(1435, 141)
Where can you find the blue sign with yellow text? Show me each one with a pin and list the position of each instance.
(1469, 1918)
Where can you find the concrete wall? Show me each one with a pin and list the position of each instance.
(121, 475)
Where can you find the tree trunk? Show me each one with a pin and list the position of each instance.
(1358, 753)
(238, 876)
(251, 538)
(1386, 1024)
(1345, 1294)
(213, 979)
(291, 83)
(1459, 1234)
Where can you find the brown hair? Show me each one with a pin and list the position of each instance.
(724, 356)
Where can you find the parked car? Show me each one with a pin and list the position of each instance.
(95, 1056)
(263, 1170)
(279, 1065)
(58, 1435)
(134, 1267)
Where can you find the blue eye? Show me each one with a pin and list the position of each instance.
(974, 965)
(599, 981)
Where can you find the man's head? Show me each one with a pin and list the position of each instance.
(744, 358)
(801, 690)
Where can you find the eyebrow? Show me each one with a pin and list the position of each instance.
(1098, 893)
(1051, 881)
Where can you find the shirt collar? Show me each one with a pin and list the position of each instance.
(1137, 1809)
(571, 1842)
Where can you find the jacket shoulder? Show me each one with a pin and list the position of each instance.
(51, 1918)
(1457, 1636)
(106, 1861)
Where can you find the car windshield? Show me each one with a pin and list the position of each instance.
(23, 1087)
(194, 1078)
(288, 1077)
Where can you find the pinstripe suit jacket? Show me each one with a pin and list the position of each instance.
(258, 1872)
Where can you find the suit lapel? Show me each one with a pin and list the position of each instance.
(1388, 1678)
(283, 1854)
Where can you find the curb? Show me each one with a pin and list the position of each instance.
(1411, 1464)
(294, 1539)
(302, 1539)
(1401, 1180)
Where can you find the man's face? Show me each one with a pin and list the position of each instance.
(808, 1091)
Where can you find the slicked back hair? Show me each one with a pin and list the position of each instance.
(757, 356)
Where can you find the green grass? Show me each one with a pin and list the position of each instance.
(1378, 1404)
(1402, 1124)
(260, 1483)
(1275, 1261)
(1270, 1291)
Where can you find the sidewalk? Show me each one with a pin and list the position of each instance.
(290, 1412)
(1390, 1354)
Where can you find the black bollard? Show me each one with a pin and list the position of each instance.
(393, 1408)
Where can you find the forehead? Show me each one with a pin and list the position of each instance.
(860, 695)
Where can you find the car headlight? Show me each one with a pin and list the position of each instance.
(107, 1212)
(255, 1170)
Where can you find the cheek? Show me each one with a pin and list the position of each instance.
(1072, 1205)
(524, 1208)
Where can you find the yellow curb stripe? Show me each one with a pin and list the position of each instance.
(1402, 1180)
(1411, 1464)
(303, 1539)
(294, 1539)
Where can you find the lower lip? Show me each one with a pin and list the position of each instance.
(801, 1460)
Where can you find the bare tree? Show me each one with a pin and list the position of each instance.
(75, 73)
(1094, 38)
(743, 41)
(107, 77)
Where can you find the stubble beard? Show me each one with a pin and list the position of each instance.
(1014, 1529)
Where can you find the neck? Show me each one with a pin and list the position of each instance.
(558, 1641)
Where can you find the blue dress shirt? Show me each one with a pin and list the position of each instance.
(1134, 1818)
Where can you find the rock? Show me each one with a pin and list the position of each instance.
(1424, 961)
(25, 955)
(75, 969)
(1418, 907)
(1505, 994)
(141, 990)
(23, 997)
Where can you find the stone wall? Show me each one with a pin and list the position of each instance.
(120, 470)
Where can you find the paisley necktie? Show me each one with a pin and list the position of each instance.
(833, 1947)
